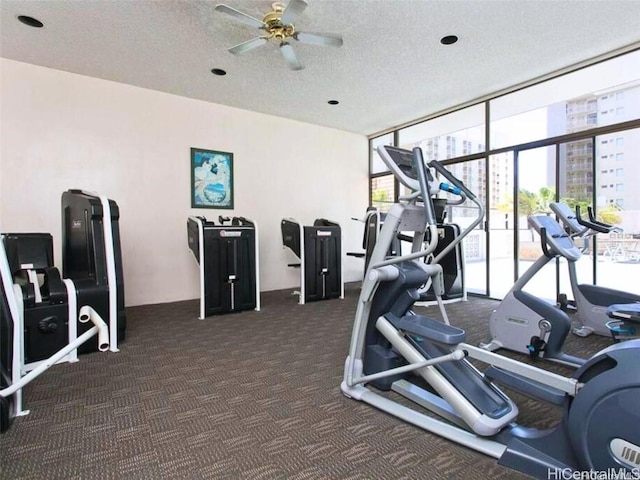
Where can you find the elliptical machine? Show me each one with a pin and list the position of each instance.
(389, 342)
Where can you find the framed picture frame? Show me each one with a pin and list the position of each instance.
(211, 179)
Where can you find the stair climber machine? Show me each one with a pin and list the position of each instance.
(92, 259)
(391, 347)
(47, 319)
(319, 251)
(227, 255)
(596, 305)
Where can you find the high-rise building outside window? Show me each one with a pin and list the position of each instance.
(588, 122)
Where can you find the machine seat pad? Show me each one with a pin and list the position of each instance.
(429, 328)
(625, 311)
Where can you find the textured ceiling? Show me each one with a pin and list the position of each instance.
(391, 69)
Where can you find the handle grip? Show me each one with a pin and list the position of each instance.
(449, 176)
(593, 219)
(418, 164)
(593, 225)
(543, 242)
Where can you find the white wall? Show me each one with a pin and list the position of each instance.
(61, 130)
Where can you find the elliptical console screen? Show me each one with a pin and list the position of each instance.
(403, 166)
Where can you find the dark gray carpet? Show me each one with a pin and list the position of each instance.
(252, 395)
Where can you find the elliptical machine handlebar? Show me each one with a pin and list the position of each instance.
(457, 183)
(425, 191)
(464, 193)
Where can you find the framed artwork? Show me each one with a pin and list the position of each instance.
(211, 179)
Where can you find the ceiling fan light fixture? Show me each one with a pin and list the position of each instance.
(449, 39)
(218, 71)
(278, 25)
(30, 21)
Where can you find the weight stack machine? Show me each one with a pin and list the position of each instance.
(45, 302)
(319, 249)
(227, 255)
(47, 319)
(92, 259)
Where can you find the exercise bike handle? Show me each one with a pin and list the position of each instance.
(593, 219)
(593, 224)
(452, 178)
(544, 244)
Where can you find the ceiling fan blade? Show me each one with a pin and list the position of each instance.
(319, 39)
(241, 17)
(295, 8)
(290, 56)
(248, 45)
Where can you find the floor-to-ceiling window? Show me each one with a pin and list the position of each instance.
(475, 245)
(573, 139)
(382, 187)
(617, 202)
(459, 134)
(535, 189)
(575, 189)
(500, 223)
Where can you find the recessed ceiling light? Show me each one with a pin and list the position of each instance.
(333, 102)
(449, 40)
(32, 22)
(218, 71)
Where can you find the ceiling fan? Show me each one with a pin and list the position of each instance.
(278, 25)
